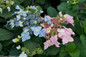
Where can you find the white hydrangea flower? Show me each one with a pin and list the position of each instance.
(15, 40)
(23, 54)
(18, 47)
(41, 11)
(20, 23)
(19, 36)
(8, 8)
(1, 10)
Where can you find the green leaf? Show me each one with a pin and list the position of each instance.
(39, 8)
(75, 7)
(40, 1)
(52, 12)
(38, 40)
(75, 53)
(18, 1)
(83, 40)
(30, 45)
(81, 1)
(62, 7)
(2, 20)
(0, 46)
(14, 52)
(25, 3)
(6, 14)
(7, 43)
(85, 26)
(70, 46)
(5, 34)
(71, 12)
(78, 26)
(63, 52)
(52, 50)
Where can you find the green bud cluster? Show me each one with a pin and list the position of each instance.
(6, 3)
(38, 50)
(73, 1)
(25, 50)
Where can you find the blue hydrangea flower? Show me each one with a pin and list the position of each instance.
(33, 7)
(36, 30)
(26, 22)
(42, 33)
(25, 36)
(39, 19)
(17, 7)
(24, 13)
(18, 17)
(11, 23)
(33, 22)
(47, 19)
(21, 23)
(26, 29)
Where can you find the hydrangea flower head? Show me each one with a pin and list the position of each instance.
(25, 36)
(20, 23)
(47, 19)
(65, 35)
(47, 44)
(23, 54)
(54, 41)
(12, 23)
(47, 30)
(55, 29)
(17, 7)
(1, 10)
(42, 33)
(8, 8)
(18, 47)
(15, 40)
(36, 30)
(69, 19)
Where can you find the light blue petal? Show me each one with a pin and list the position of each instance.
(17, 7)
(36, 33)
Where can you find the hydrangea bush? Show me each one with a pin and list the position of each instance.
(36, 29)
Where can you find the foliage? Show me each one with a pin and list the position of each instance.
(35, 47)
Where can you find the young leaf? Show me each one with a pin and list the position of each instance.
(52, 51)
(70, 46)
(62, 7)
(30, 45)
(75, 53)
(18, 1)
(5, 34)
(0, 46)
(78, 26)
(52, 12)
(83, 40)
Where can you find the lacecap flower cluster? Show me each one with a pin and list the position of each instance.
(51, 28)
(55, 30)
(29, 20)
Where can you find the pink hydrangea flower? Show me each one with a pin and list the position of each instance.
(68, 19)
(69, 31)
(54, 40)
(60, 13)
(67, 39)
(47, 30)
(65, 35)
(50, 17)
(47, 44)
